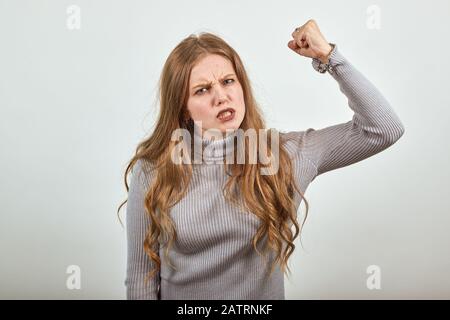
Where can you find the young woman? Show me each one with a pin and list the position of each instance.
(215, 230)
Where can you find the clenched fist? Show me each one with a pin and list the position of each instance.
(309, 42)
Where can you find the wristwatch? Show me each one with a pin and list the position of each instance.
(323, 67)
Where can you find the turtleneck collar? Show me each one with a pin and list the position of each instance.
(213, 149)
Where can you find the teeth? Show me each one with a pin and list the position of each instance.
(224, 114)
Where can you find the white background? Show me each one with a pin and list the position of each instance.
(75, 103)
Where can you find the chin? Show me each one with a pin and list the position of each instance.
(233, 124)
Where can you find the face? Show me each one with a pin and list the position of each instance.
(213, 87)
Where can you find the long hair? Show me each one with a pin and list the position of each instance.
(269, 197)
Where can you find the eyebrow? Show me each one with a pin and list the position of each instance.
(209, 83)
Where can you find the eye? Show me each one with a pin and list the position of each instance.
(199, 91)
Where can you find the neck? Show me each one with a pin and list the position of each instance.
(212, 147)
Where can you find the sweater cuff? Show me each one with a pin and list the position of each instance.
(335, 59)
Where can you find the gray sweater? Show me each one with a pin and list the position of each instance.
(214, 254)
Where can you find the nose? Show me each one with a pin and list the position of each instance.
(220, 95)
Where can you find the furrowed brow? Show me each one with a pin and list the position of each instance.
(209, 83)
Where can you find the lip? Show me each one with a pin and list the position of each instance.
(226, 109)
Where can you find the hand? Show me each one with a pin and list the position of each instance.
(309, 42)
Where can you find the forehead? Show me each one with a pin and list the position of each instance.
(210, 67)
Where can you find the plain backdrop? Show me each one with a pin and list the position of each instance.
(74, 104)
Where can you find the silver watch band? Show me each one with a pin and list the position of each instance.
(324, 67)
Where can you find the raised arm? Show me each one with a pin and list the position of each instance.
(373, 128)
(137, 222)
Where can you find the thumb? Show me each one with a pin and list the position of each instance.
(293, 45)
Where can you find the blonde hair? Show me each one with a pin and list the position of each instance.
(269, 197)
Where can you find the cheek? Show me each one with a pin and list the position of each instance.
(239, 97)
(199, 108)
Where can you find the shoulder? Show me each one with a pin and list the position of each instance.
(291, 136)
(292, 140)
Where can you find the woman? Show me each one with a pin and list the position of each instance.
(214, 230)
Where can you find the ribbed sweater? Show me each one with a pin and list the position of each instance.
(213, 252)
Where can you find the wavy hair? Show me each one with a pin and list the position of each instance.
(268, 197)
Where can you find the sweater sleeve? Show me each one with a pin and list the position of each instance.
(373, 127)
(137, 222)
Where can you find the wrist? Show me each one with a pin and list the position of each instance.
(325, 56)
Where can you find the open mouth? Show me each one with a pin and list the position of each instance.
(226, 114)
